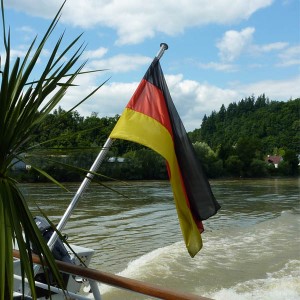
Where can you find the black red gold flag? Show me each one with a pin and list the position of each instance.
(151, 119)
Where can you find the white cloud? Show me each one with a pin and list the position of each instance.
(257, 50)
(192, 99)
(14, 53)
(121, 63)
(219, 66)
(136, 20)
(26, 29)
(270, 47)
(94, 54)
(109, 101)
(289, 57)
(279, 90)
(233, 43)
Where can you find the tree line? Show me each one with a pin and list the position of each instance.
(234, 141)
(240, 137)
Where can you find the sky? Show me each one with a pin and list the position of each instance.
(219, 52)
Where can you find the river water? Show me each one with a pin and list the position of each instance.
(251, 248)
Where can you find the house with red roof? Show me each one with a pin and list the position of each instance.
(274, 159)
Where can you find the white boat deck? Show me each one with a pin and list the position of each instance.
(75, 286)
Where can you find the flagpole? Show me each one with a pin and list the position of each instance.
(160, 53)
(84, 185)
(90, 175)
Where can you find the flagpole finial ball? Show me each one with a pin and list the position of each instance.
(164, 45)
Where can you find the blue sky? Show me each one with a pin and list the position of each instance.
(219, 51)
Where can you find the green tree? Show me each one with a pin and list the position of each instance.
(234, 165)
(224, 151)
(247, 149)
(291, 162)
(275, 124)
(59, 129)
(195, 135)
(258, 168)
(211, 164)
(147, 164)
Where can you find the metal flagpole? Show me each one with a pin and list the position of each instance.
(84, 185)
(163, 47)
(90, 175)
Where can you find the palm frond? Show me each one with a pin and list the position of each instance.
(24, 104)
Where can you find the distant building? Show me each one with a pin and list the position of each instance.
(274, 159)
(116, 159)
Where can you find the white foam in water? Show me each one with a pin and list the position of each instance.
(154, 262)
(240, 263)
(276, 287)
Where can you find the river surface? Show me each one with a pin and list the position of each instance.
(251, 248)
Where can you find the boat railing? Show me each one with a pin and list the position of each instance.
(94, 276)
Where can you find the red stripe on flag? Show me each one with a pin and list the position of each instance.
(149, 100)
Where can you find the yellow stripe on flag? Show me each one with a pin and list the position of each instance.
(140, 128)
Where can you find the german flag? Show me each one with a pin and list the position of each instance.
(151, 119)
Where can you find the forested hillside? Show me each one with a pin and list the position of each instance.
(241, 136)
(275, 124)
(234, 141)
